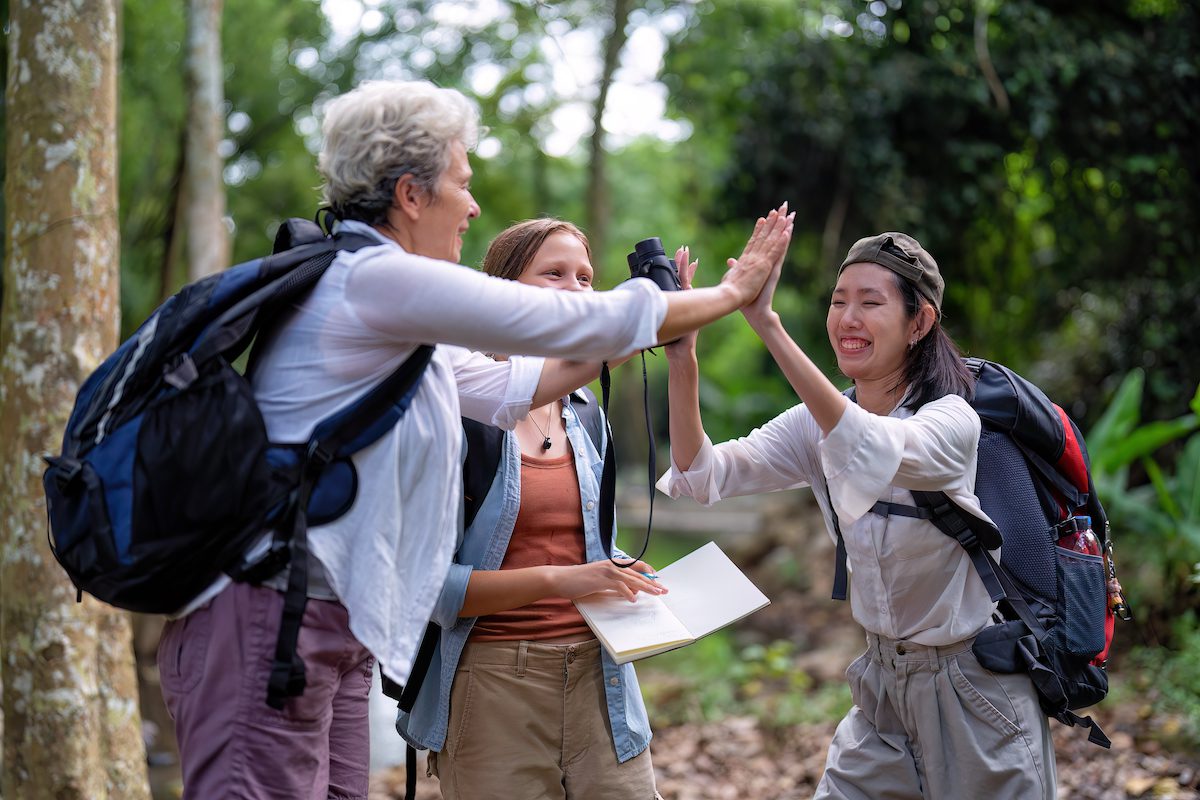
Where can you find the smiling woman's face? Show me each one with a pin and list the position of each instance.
(868, 325)
(561, 262)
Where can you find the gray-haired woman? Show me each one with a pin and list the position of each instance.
(394, 162)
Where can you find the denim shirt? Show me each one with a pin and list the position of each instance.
(483, 546)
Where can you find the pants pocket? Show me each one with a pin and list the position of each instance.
(183, 650)
(983, 694)
(460, 710)
(854, 676)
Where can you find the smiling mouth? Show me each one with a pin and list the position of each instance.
(854, 345)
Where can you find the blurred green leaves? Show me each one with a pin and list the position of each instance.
(1156, 518)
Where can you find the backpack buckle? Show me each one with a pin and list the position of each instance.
(316, 457)
(183, 373)
(967, 539)
(66, 471)
(271, 563)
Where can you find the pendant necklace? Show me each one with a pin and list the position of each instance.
(545, 433)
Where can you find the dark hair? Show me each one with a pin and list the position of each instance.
(513, 249)
(372, 207)
(934, 367)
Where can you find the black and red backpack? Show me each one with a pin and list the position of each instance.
(1034, 482)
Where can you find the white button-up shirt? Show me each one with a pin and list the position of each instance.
(386, 557)
(909, 580)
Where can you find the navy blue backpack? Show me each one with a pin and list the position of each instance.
(166, 476)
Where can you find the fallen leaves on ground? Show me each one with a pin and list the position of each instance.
(738, 758)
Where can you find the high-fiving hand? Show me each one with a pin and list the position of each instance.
(764, 252)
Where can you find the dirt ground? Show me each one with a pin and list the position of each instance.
(736, 758)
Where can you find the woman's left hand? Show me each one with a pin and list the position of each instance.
(758, 312)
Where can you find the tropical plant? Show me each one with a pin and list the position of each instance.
(1148, 476)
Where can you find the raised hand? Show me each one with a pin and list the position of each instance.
(685, 345)
(759, 311)
(767, 245)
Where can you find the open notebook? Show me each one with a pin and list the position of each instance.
(707, 592)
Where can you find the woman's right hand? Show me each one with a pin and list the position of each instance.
(683, 348)
(598, 576)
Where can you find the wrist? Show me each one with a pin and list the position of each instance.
(733, 296)
(681, 356)
(764, 322)
(549, 583)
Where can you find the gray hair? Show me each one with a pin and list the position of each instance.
(383, 130)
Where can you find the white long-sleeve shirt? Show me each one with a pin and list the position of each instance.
(387, 557)
(909, 580)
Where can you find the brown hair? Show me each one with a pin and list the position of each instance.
(510, 252)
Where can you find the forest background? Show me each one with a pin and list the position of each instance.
(1045, 152)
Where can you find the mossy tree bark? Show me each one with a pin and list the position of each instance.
(71, 722)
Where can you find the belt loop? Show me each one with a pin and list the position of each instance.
(522, 654)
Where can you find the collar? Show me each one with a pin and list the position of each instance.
(360, 227)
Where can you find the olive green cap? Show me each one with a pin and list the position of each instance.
(903, 255)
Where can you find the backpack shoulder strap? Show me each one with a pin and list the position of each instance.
(588, 409)
(977, 536)
(346, 432)
(484, 443)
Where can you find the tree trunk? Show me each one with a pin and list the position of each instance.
(599, 210)
(203, 184)
(72, 728)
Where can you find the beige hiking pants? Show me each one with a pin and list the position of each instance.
(931, 723)
(528, 721)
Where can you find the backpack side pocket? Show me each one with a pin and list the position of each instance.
(1082, 602)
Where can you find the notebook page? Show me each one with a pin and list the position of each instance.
(708, 591)
(627, 626)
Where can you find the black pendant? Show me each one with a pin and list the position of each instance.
(546, 443)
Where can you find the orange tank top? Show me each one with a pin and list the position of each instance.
(548, 531)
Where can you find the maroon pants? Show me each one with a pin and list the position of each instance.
(214, 664)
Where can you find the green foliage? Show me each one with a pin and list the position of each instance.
(270, 87)
(711, 679)
(1154, 509)
(1167, 682)
(1022, 142)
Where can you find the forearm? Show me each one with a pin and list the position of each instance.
(820, 396)
(686, 426)
(695, 308)
(560, 377)
(492, 591)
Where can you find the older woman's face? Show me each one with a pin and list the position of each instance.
(446, 215)
(560, 263)
(867, 324)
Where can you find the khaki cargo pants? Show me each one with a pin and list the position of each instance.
(930, 723)
(529, 721)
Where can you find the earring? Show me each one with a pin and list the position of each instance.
(912, 344)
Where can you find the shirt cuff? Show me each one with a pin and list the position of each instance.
(524, 375)
(454, 594)
(648, 322)
(695, 482)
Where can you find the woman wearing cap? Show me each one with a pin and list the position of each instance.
(928, 721)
